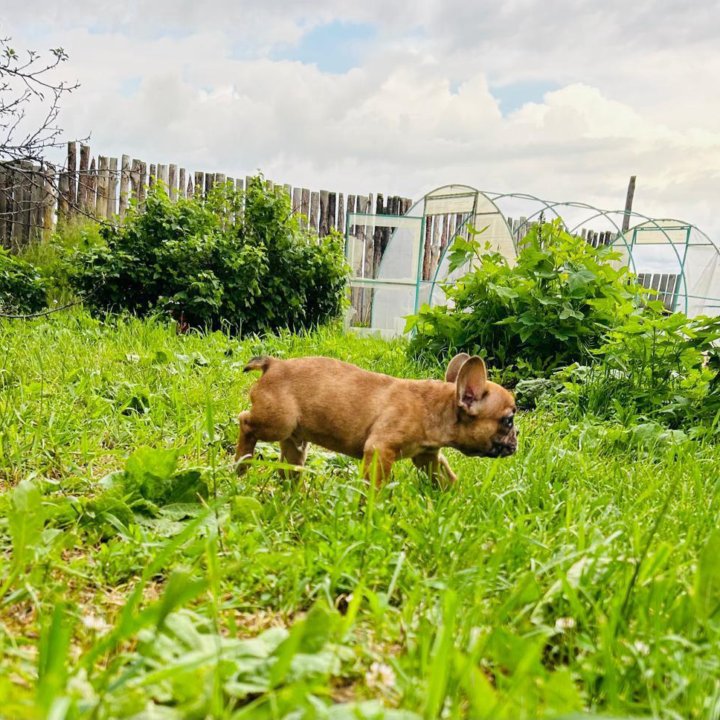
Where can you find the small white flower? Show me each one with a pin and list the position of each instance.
(93, 622)
(380, 675)
(641, 647)
(563, 624)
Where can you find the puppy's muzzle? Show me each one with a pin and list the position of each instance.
(502, 449)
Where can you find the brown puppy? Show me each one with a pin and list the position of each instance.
(377, 417)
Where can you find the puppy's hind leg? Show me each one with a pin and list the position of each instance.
(246, 442)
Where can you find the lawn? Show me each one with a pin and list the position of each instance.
(141, 579)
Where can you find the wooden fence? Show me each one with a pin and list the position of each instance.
(101, 188)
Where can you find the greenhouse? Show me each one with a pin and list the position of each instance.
(400, 262)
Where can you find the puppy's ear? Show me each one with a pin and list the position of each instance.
(453, 368)
(471, 385)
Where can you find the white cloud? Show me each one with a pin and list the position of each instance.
(194, 84)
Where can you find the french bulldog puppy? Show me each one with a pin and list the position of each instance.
(377, 417)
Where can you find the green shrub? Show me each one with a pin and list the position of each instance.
(550, 309)
(213, 264)
(22, 289)
(653, 366)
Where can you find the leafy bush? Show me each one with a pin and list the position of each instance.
(653, 366)
(212, 263)
(22, 289)
(550, 309)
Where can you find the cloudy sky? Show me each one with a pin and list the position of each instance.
(563, 98)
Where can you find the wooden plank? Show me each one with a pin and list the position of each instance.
(288, 190)
(173, 182)
(144, 182)
(190, 189)
(83, 192)
(341, 219)
(37, 204)
(92, 187)
(26, 187)
(124, 185)
(72, 195)
(49, 197)
(314, 211)
(182, 183)
(134, 179)
(63, 191)
(323, 214)
(199, 184)
(112, 187)
(102, 188)
(269, 186)
(296, 201)
(305, 206)
(219, 179)
(332, 211)
(377, 236)
(152, 176)
(209, 183)
(427, 249)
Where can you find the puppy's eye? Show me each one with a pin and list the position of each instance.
(508, 421)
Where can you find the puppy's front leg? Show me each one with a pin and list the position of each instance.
(436, 466)
(295, 453)
(245, 444)
(378, 462)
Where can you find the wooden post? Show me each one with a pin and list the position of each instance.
(152, 176)
(172, 182)
(124, 184)
(182, 184)
(37, 204)
(134, 179)
(162, 177)
(427, 246)
(199, 184)
(351, 201)
(83, 192)
(323, 210)
(209, 182)
(102, 187)
(628, 204)
(72, 198)
(92, 187)
(239, 187)
(48, 197)
(112, 187)
(378, 235)
(332, 211)
(190, 188)
(63, 193)
(305, 207)
(341, 219)
(288, 191)
(314, 211)
(296, 200)
(26, 187)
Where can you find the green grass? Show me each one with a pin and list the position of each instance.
(139, 578)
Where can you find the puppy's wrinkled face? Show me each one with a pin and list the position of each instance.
(485, 410)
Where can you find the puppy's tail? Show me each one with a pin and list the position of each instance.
(258, 363)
